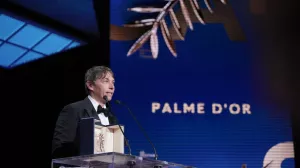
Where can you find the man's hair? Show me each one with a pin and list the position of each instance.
(94, 73)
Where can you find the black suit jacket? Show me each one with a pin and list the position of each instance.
(66, 136)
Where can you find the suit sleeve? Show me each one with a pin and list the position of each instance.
(65, 129)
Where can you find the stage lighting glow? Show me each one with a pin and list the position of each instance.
(22, 42)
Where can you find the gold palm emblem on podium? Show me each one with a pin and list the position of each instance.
(101, 142)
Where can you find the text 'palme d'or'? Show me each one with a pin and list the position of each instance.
(199, 108)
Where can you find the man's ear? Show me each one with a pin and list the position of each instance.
(89, 85)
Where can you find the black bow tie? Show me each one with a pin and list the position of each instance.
(105, 111)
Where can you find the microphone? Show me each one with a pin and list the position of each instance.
(142, 129)
(111, 114)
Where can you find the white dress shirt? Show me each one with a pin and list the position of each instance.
(104, 120)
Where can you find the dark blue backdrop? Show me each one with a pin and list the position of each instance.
(210, 68)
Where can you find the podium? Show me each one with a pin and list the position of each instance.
(96, 138)
(114, 160)
(103, 147)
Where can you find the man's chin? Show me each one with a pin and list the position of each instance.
(109, 98)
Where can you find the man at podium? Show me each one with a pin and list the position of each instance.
(99, 85)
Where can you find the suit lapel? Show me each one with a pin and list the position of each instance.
(111, 118)
(88, 107)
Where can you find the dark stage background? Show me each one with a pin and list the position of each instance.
(33, 94)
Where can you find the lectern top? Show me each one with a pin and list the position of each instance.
(115, 159)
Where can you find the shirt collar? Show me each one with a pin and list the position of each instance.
(95, 103)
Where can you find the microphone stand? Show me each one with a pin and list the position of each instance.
(130, 163)
(142, 129)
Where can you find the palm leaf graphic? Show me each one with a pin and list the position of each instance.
(160, 22)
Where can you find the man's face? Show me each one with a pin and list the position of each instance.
(104, 86)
